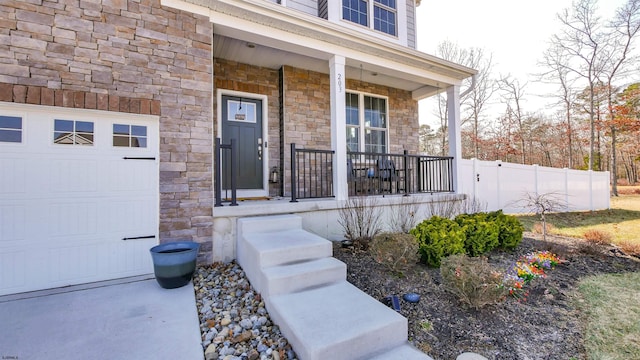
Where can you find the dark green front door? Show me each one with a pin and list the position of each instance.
(242, 121)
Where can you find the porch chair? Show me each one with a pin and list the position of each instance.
(387, 174)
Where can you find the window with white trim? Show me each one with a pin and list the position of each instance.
(10, 129)
(366, 119)
(382, 14)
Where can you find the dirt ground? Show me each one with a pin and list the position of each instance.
(545, 325)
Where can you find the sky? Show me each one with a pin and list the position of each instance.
(515, 32)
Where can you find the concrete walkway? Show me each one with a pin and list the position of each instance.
(132, 318)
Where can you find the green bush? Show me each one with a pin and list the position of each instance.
(474, 281)
(510, 229)
(397, 251)
(438, 237)
(481, 233)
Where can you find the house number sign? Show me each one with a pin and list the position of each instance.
(339, 83)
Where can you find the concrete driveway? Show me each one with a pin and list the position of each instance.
(131, 318)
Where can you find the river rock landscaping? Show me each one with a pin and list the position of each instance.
(233, 320)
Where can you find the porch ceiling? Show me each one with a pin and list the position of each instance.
(283, 36)
(252, 53)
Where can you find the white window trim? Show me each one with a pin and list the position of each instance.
(335, 15)
(372, 19)
(361, 125)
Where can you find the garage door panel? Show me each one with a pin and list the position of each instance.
(12, 270)
(12, 222)
(129, 257)
(69, 219)
(134, 175)
(73, 263)
(65, 209)
(130, 218)
(12, 176)
(74, 176)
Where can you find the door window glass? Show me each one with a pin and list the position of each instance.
(241, 111)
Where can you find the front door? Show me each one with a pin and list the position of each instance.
(242, 121)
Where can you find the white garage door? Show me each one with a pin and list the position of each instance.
(78, 196)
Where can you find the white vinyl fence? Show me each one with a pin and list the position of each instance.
(503, 185)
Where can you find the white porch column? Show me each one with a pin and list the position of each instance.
(455, 145)
(338, 126)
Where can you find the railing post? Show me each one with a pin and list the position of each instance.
(218, 170)
(405, 166)
(294, 189)
(234, 171)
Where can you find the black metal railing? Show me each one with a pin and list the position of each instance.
(230, 156)
(379, 174)
(311, 173)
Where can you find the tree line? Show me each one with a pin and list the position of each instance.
(594, 121)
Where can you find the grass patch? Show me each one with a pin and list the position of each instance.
(621, 222)
(611, 308)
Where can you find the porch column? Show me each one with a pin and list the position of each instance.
(338, 126)
(455, 146)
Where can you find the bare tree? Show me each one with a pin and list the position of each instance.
(474, 102)
(554, 59)
(581, 40)
(624, 29)
(513, 93)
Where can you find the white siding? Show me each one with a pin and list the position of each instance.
(308, 6)
(411, 23)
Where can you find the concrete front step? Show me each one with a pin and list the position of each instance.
(404, 352)
(337, 322)
(290, 278)
(265, 224)
(257, 251)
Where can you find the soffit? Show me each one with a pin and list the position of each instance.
(235, 22)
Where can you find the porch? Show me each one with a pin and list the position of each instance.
(368, 174)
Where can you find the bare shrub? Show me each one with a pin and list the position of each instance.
(537, 228)
(360, 220)
(402, 216)
(471, 205)
(630, 247)
(590, 248)
(474, 281)
(597, 237)
(447, 207)
(451, 206)
(397, 251)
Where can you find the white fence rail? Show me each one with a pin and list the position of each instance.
(503, 185)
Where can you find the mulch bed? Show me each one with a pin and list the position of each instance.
(547, 324)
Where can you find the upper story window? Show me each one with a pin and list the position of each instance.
(366, 118)
(384, 16)
(381, 13)
(70, 132)
(10, 129)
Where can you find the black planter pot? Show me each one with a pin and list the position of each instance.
(174, 263)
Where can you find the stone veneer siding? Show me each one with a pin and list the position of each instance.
(132, 56)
